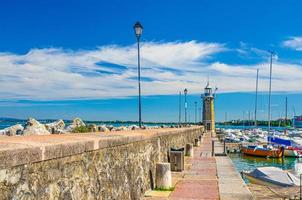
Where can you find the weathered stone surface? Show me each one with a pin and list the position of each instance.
(93, 127)
(103, 128)
(33, 127)
(121, 171)
(12, 130)
(134, 127)
(163, 176)
(56, 127)
(76, 123)
(189, 150)
(120, 128)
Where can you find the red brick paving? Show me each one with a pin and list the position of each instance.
(200, 181)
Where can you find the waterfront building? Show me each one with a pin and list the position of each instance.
(208, 115)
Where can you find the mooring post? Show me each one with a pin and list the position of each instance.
(163, 176)
(196, 142)
(213, 143)
(189, 150)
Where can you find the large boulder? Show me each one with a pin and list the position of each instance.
(12, 130)
(76, 123)
(121, 128)
(33, 127)
(103, 128)
(56, 127)
(134, 127)
(93, 127)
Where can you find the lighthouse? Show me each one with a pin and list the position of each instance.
(208, 115)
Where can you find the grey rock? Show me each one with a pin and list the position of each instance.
(33, 127)
(103, 128)
(93, 127)
(134, 127)
(76, 122)
(56, 127)
(12, 130)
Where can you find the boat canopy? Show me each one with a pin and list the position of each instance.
(278, 140)
(275, 176)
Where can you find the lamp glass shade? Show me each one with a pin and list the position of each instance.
(138, 29)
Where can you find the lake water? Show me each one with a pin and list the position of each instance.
(4, 123)
(246, 163)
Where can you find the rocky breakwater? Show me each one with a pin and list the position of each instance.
(77, 125)
(33, 127)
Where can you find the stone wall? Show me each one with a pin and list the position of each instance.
(120, 171)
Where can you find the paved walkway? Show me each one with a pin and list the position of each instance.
(208, 177)
(200, 181)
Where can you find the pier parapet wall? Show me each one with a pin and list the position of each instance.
(118, 165)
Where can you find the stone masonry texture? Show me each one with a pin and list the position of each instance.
(122, 171)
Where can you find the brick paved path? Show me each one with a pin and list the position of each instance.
(200, 180)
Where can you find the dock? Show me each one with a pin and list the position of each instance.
(206, 177)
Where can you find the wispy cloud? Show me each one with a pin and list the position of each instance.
(107, 71)
(293, 43)
(111, 71)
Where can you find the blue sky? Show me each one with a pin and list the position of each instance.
(61, 59)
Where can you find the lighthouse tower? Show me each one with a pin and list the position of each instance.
(208, 115)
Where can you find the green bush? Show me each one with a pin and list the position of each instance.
(81, 129)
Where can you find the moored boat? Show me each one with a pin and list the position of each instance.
(272, 176)
(292, 152)
(263, 151)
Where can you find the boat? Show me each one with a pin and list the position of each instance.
(292, 152)
(272, 176)
(263, 151)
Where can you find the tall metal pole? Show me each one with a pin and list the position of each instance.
(249, 118)
(225, 118)
(195, 112)
(270, 91)
(256, 97)
(179, 111)
(243, 120)
(139, 84)
(199, 114)
(285, 111)
(186, 105)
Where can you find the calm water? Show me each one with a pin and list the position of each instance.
(247, 163)
(4, 123)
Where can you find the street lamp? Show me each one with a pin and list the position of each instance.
(138, 29)
(186, 104)
(195, 112)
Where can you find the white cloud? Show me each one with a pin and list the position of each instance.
(293, 43)
(111, 71)
(64, 74)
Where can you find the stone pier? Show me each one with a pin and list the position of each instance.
(207, 177)
(116, 165)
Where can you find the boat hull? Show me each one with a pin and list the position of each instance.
(262, 152)
(291, 153)
(258, 181)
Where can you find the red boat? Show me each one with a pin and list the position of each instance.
(262, 151)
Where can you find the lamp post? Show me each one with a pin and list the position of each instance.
(179, 111)
(186, 104)
(195, 112)
(138, 29)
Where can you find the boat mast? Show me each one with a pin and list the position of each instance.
(285, 119)
(256, 98)
(270, 90)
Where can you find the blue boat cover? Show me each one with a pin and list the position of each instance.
(281, 141)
